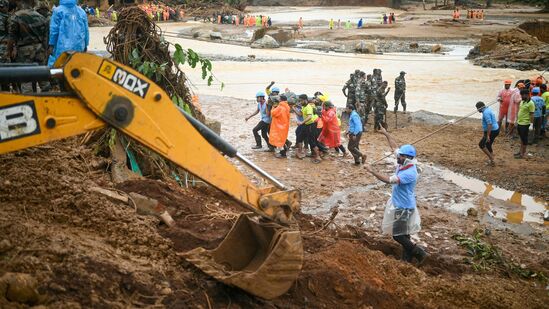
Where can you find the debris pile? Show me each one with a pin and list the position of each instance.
(514, 48)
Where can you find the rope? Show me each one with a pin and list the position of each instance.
(438, 130)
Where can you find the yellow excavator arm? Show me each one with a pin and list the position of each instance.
(262, 257)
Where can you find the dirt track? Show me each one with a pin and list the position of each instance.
(88, 251)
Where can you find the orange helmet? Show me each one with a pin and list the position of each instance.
(507, 82)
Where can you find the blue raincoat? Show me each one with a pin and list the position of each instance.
(68, 29)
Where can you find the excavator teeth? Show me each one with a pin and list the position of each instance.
(265, 259)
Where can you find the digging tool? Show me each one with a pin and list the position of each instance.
(262, 254)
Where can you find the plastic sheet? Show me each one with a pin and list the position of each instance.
(399, 221)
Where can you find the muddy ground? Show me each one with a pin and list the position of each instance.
(86, 250)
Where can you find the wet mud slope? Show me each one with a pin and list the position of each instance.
(65, 246)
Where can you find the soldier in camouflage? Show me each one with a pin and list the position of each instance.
(27, 35)
(376, 78)
(360, 95)
(4, 6)
(380, 106)
(400, 91)
(349, 90)
(370, 96)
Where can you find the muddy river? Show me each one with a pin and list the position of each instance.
(445, 84)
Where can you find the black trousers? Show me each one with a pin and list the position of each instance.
(400, 96)
(353, 146)
(523, 133)
(408, 247)
(264, 128)
(488, 145)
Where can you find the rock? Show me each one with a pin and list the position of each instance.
(21, 288)
(472, 212)
(436, 48)
(428, 118)
(414, 45)
(282, 36)
(266, 41)
(5, 246)
(365, 47)
(214, 35)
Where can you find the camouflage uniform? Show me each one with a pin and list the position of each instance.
(380, 107)
(400, 92)
(29, 30)
(4, 32)
(350, 85)
(360, 98)
(370, 97)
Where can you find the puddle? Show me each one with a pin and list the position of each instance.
(514, 207)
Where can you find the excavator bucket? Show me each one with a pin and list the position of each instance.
(263, 259)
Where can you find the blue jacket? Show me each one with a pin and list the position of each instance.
(68, 29)
(355, 124)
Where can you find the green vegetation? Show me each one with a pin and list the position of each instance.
(485, 257)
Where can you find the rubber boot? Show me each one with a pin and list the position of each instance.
(406, 256)
(419, 254)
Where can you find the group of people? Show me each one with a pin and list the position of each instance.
(319, 129)
(28, 34)
(521, 107)
(245, 20)
(318, 125)
(390, 19)
(471, 14)
(161, 12)
(368, 93)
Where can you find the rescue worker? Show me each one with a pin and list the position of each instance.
(353, 134)
(4, 58)
(401, 217)
(370, 97)
(349, 90)
(400, 92)
(504, 99)
(491, 131)
(330, 134)
(300, 136)
(264, 124)
(68, 30)
(331, 24)
(309, 120)
(280, 125)
(380, 106)
(360, 96)
(525, 117)
(26, 39)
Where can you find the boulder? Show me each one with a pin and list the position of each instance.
(414, 45)
(428, 118)
(365, 47)
(266, 41)
(19, 287)
(436, 48)
(214, 35)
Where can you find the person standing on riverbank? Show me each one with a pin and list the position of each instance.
(331, 24)
(280, 125)
(491, 130)
(504, 99)
(380, 106)
(264, 123)
(524, 118)
(514, 108)
(400, 92)
(539, 103)
(401, 217)
(330, 135)
(353, 134)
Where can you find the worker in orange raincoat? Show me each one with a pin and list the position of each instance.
(280, 125)
(330, 135)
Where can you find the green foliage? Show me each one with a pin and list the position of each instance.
(485, 256)
(178, 101)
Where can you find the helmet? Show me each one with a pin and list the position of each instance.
(260, 94)
(536, 90)
(508, 82)
(407, 150)
(276, 89)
